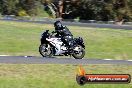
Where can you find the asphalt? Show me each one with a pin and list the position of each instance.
(95, 25)
(41, 60)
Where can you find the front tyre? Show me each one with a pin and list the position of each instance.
(78, 52)
(45, 50)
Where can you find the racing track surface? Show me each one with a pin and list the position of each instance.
(94, 25)
(41, 60)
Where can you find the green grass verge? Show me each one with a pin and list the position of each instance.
(55, 76)
(17, 38)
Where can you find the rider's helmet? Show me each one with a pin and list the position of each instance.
(58, 25)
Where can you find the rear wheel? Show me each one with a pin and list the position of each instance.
(45, 50)
(78, 52)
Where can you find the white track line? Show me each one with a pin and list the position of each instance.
(25, 56)
(107, 59)
(128, 60)
(4, 55)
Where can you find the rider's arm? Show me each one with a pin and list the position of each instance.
(63, 29)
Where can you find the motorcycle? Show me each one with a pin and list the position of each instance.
(53, 46)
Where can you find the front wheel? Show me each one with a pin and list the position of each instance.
(78, 52)
(45, 50)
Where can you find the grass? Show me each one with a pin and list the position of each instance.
(19, 38)
(55, 76)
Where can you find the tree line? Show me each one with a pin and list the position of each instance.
(102, 10)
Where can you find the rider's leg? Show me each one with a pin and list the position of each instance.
(69, 41)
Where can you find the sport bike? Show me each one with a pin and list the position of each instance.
(53, 46)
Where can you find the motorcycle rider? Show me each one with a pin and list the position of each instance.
(66, 35)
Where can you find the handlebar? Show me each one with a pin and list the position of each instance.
(52, 34)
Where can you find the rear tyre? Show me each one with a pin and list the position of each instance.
(80, 53)
(45, 50)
